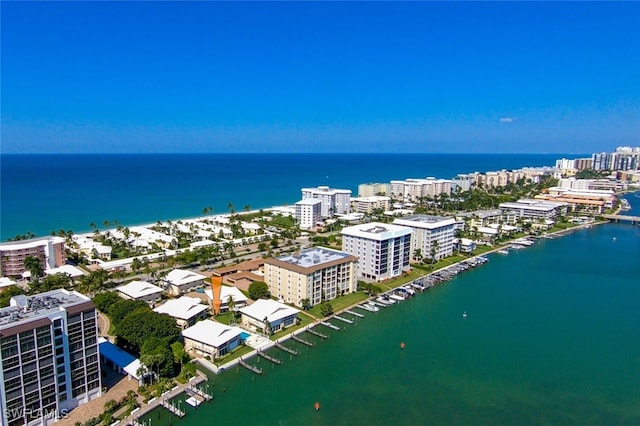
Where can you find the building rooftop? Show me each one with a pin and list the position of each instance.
(23, 309)
(136, 289)
(270, 309)
(34, 242)
(425, 221)
(119, 357)
(180, 277)
(226, 292)
(311, 259)
(376, 231)
(309, 201)
(183, 308)
(211, 333)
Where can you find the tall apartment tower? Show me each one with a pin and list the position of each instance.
(382, 249)
(49, 360)
(334, 201)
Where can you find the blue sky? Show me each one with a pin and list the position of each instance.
(83, 77)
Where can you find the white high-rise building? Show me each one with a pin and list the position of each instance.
(334, 201)
(49, 357)
(383, 250)
(432, 235)
(373, 189)
(308, 212)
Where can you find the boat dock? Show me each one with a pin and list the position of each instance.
(316, 333)
(355, 314)
(286, 349)
(197, 391)
(269, 358)
(331, 326)
(304, 342)
(249, 366)
(348, 321)
(172, 408)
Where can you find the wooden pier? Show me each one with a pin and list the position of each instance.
(355, 314)
(317, 333)
(196, 390)
(304, 342)
(286, 349)
(348, 321)
(249, 366)
(331, 326)
(269, 358)
(173, 409)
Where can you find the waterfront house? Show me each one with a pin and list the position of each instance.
(185, 310)
(211, 338)
(268, 316)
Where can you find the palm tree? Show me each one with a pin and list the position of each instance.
(34, 265)
(231, 209)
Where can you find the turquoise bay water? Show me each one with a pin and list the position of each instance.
(41, 193)
(551, 337)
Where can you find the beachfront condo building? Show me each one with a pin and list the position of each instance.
(308, 213)
(369, 204)
(415, 189)
(373, 189)
(317, 274)
(49, 361)
(433, 236)
(334, 201)
(48, 250)
(534, 210)
(383, 250)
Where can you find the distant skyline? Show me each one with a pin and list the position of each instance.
(371, 77)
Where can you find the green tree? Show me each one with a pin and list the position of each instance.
(35, 267)
(306, 304)
(326, 309)
(259, 290)
(105, 300)
(179, 354)
(8, 293)
(156, 354)
(120, 309)
(143, 324)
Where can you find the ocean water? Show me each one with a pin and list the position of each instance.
(552, 337)
(41, 193)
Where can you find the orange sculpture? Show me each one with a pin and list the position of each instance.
(216, 288)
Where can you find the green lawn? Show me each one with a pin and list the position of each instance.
(340, 303)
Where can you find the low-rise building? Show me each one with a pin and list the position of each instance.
(229, 293)
(185, 310)
(268, 316)
(180, 281)
(243, 274)
(211, 338)
(383, 250)
(140, 290)
(533, 210)
(316, 274)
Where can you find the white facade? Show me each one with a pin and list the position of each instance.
(534, 209)
(181, 281)
(433, 236)
(139, 290)
(334, 201)
(373, 189)
(368, 204)
(185, 310)
(308, 212)
(383, 250)
(414, 189)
